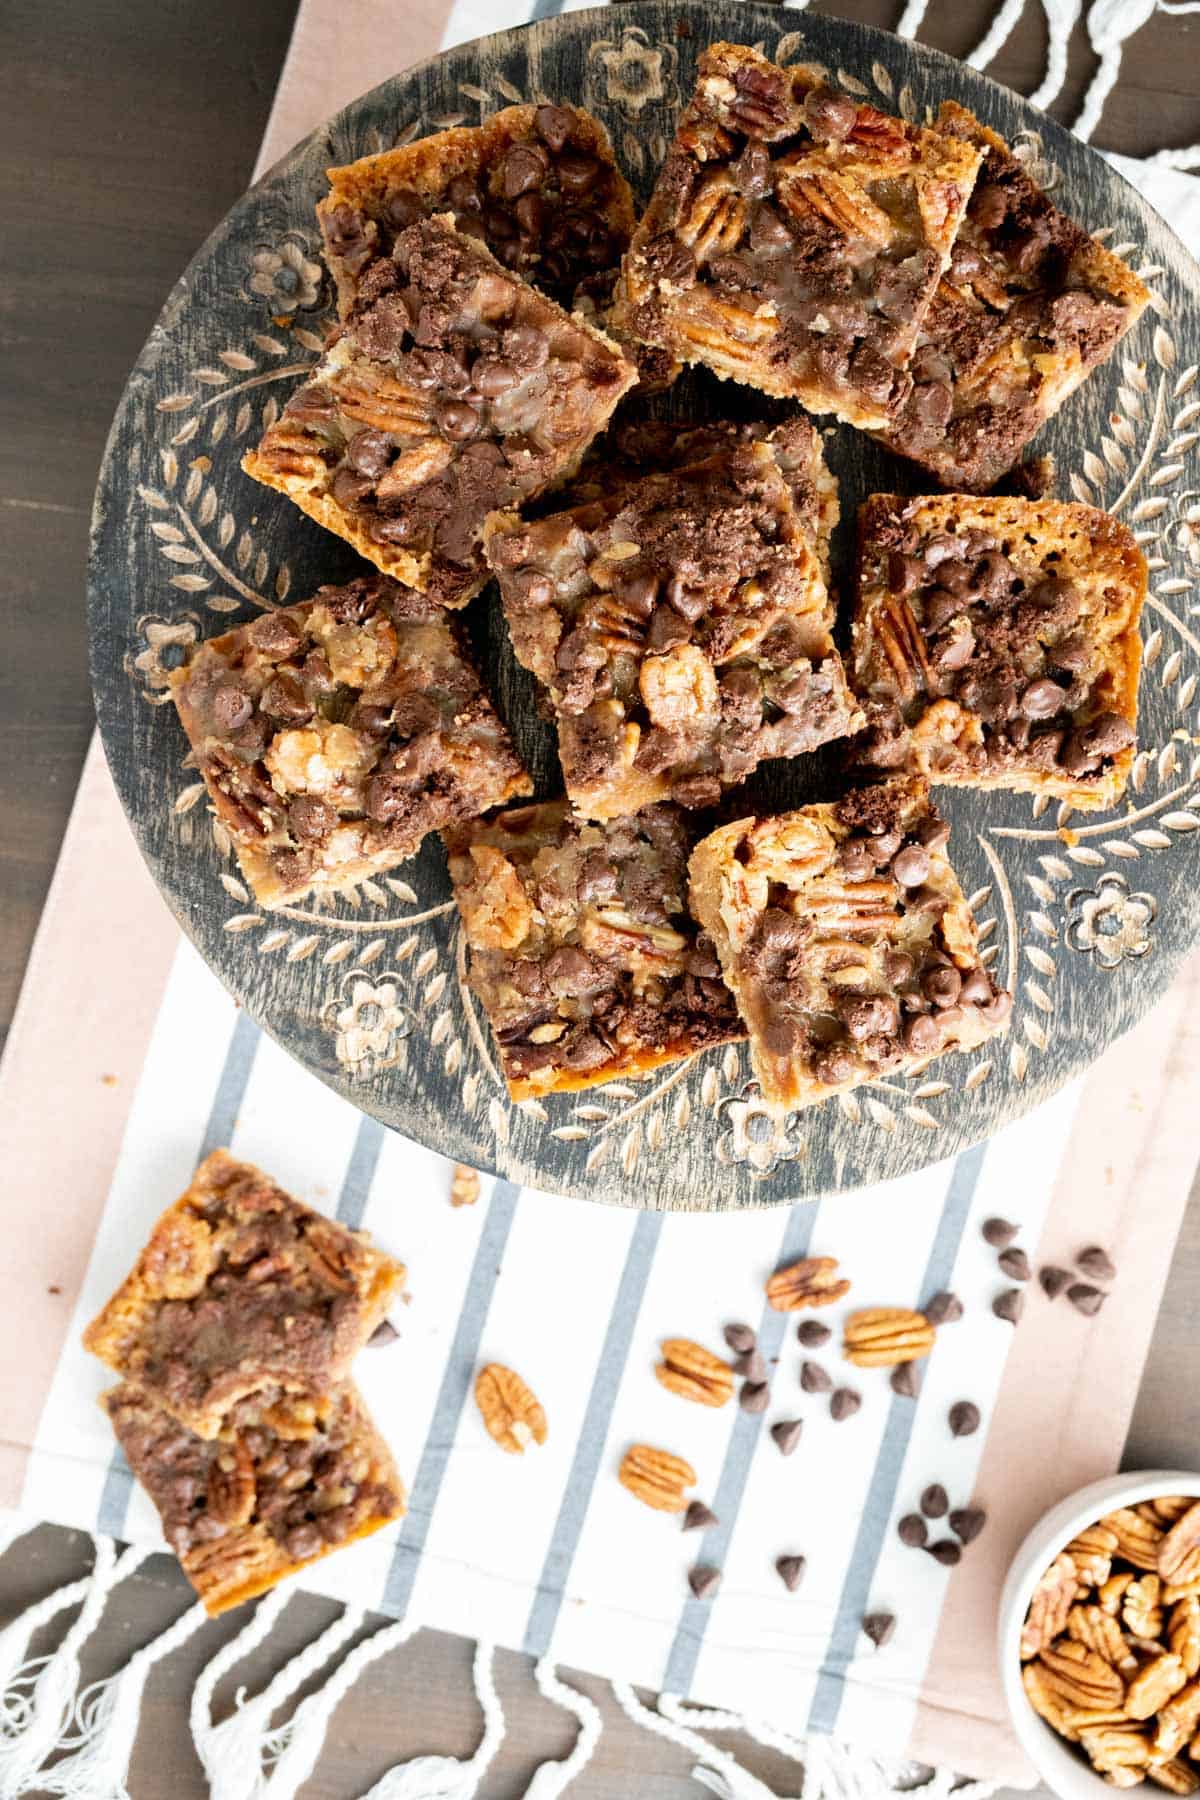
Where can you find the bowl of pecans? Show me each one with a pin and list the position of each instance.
(1100, 1637)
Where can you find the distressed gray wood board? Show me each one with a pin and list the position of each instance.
(370, 993)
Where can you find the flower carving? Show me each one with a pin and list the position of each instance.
(167, 645)
(636, 72)
(754, 1135)
(369, 1023)
(1108, 922)
(285, 277)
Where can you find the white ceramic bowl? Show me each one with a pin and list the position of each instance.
(1060, 1764)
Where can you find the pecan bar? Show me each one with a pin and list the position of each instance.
(795, 237)
(292, 1477)
(581, 948)
(1029, 306)
(334, 735)
(683, 628)
(844, 935)
(454, 388)
(536, 184)
(240, 1288)
(996, 643)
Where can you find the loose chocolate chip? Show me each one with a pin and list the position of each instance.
(943, 1309)
(1009, 1305)
(740, 1337)
(787, 1434)
(1086, 1299)
(967, 1522)
(384, 1333)
(1053, 1280)
(1097, 1263)
(913, 1531)
(751, 1366)
(879, 1627)
(964, 1418)
(704, 1580)
(999, 1233)
(813, 1378)
(754, 1396)
(906, 1380)
(1015, 1264)
(813, 1334)
(790, 1570)
(843, 1404)
(946, 1552)
(699, 1517)
(935, 1501)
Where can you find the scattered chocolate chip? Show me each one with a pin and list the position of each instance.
(740, 1338)
(1009, 1305)
(964, 1418)
(754, 1396)
(967, 1522)
(944, 1309)
(751, 1367)
(946, 1551)
(913, 1531)
(704, 1580)
(699, 1517)
(998, 1233)
(1015, 1264)
(1085, 1299)
(384, 1333)
(879, 1628)
(787, 1434)
(906, 1380)
(54, 1288)
(844, 1403)
(813, 1334)
(790, 1570)
(935, 1501)
(1097, 1263)
(1053, 1280)
(813, 1378)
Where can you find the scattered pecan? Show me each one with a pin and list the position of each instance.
(656, 1478)
(882, 1336)
(512, 1414)
(1179, 1551)
(464, 1185)
(810, 1282)
(692, 1372)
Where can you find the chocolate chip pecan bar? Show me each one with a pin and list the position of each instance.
(536, 184)
(581, 948)
(1029, 306)
(683, 628)
(844, 935)
(240, 1288)
(292, 1477)
(795, 237)
(996, 643)
(454, 388)
(333, 735)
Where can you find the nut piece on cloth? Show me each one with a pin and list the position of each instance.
(581, 949)
(452, 389)
(882, 1336)
(536, 184)
(694, 1373)
(774, 188)
(656, 1477)
(334, 735)
(293, 1476)
(810, 1282)
(996, 643)
(512, 1414)
(846, 940)
(241, 1288)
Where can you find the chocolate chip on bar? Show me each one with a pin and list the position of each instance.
(845, 937)
(1028, 307)
(536, 184)
(996, 643)
(682, 626)
(581, 949)
(795, 238)
(454, 388)
(334, 735)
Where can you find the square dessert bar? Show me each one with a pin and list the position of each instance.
(1027, 309)
(844, 935)
(795, 237)
(683, 628)
(333, 735)
(995, 643)
(581, 948)
(292, 1477)
(241, 1288)
(536, 184)
(454, 388)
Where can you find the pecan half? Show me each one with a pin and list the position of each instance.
(882, 1336)
(1092, 1553)
(1049, 1605)
(656, 1478)
(1081, 1679)
(231, 1488)
(1176, 1776)
(694, 1373)
(511, 1413)
(1138, 1540)
(810, 1282)
(1099, 1631)
(1179, 1551)
(1112, 1747)
(1183, 1633)
(464, 1185)
(1112, 1592)
(1154, 1686)
(1045, 1701)
(1178, 1720)
(1141, 1607)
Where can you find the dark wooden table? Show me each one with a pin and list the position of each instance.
(129, 127)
